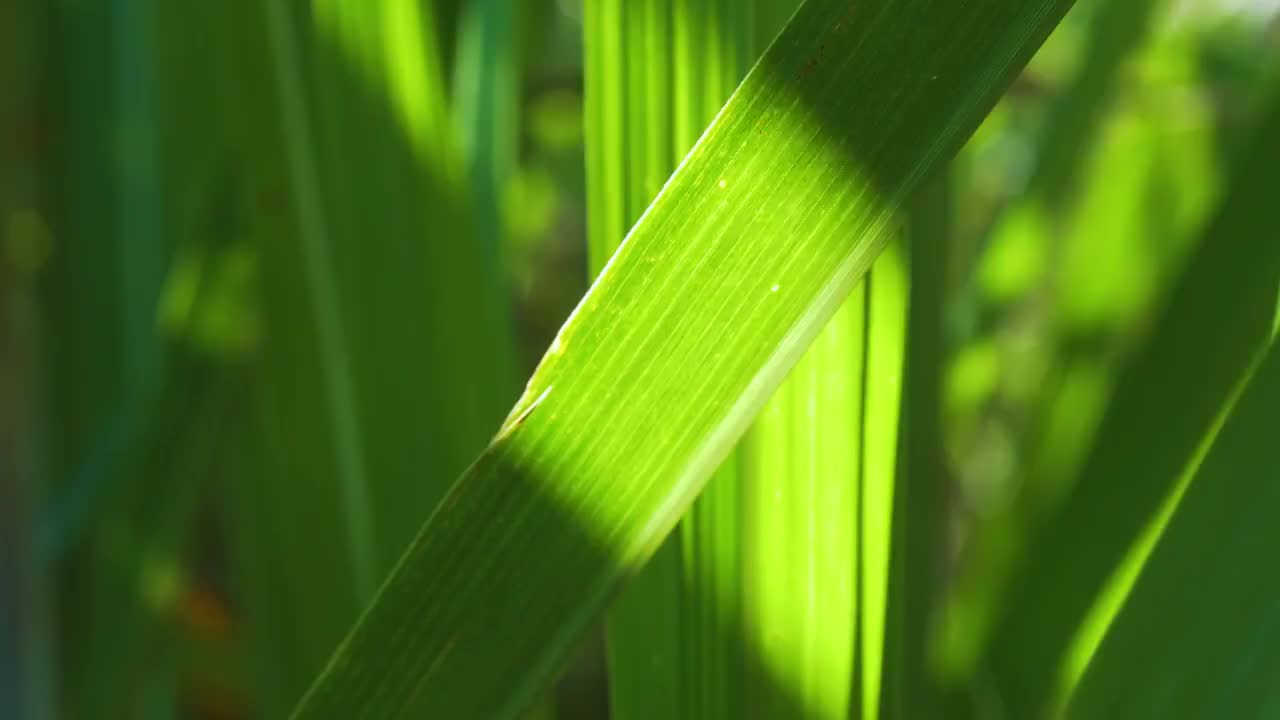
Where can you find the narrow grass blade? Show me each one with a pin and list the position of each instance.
(818, 470)
(391, 190)
(1149, 434)
(1206, 649)
(921, 496)
(656, 74)
(318, 137)
(680, 341)
(486, 93)
(228, 172)
(802, 466)
(318, 262)
(887, 314)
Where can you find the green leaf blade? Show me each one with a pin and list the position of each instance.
(1221, 661)
(860, 109)
(672, 650)
(1149, 435)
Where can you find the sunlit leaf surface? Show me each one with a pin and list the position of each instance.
(751, 247)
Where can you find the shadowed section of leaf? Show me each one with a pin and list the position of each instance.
(1210, 648)
(751, 247)
(316, 139)
(1215, 323)
(908, 689)
(486, 89)
(26, 617)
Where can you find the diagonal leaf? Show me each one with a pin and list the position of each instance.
(750, 248)
(1149, 434)
(1207, 649)
(671, 635)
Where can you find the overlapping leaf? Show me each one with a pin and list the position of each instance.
(750, 248)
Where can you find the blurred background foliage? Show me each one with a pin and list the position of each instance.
(271, 273)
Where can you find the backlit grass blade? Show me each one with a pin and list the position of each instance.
(681, 340)
(656, 73)
(318, 262)
(819, 471)
(1208, 648)
(1149, 434)
(685, 622)
(887, 314)
(789, 602)
(921, 494)
(802, 466)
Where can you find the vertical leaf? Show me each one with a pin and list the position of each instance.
(921, 496)
(803, 460)
(487, 109)
(657, 71)
(385, 349)
(889, 293)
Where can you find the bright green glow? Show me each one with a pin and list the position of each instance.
(1120, 240)
(392, 46)
(673, 649)
(801, 466)
(752, 246)
(674, 644)
(972, 375)
(886, 334)
(413, 83)
(1018, 254)
(731, 208)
